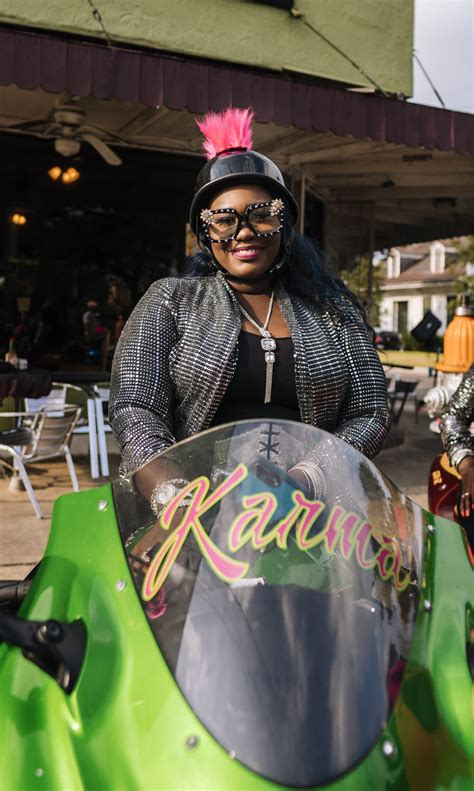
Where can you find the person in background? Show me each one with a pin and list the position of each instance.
(91, 322)
(458, 442)
(120, 322)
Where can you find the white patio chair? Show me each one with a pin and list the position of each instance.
(102, 394)
(46, 437)
(62, 394)
(87, 423)
(53, 403)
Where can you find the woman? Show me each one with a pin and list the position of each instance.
(259, 330)
(458, 442)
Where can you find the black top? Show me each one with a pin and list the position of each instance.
(244, 398)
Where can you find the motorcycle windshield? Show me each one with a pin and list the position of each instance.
(285, 614)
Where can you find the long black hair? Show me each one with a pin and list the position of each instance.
(305, 274)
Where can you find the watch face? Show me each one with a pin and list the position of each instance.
(165, 493)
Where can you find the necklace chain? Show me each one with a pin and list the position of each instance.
(262, 328)
(268, 345)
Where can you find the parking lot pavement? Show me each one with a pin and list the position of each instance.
(406, 460)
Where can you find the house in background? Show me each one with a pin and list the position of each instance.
(421, 277)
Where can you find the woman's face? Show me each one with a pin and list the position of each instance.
(248, 255)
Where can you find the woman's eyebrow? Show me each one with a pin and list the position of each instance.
(248, 206)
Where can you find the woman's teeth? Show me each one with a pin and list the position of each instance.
(247, 252)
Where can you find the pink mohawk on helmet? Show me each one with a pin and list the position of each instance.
(226, 131)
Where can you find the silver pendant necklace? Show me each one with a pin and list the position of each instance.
(268, 345)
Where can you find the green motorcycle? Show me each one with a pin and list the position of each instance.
(242, 631)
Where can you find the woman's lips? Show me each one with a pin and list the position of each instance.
(247, 253)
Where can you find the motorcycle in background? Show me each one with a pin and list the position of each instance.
(443, 482)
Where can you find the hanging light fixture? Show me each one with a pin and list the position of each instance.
(68, 176)
(18, 219)
(54, 173)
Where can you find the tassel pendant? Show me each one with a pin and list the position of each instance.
(270, 360)
(268, 346)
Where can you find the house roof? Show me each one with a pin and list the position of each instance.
(425, 276)
(419, 270)
(423, 248)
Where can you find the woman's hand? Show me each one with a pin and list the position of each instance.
(466, 471)
(154, 537)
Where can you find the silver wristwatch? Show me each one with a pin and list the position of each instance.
(165, 491)
(458, 456)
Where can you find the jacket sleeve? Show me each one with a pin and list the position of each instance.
(364, 417)
(141, 393)
(457, 417)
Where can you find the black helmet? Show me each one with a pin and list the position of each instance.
(228, 137)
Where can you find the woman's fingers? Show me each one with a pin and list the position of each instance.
(466, 504)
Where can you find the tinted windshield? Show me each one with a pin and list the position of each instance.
(286, 621)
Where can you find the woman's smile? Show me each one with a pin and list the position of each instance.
(247, 252)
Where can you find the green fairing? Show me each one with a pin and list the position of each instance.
(126, 724)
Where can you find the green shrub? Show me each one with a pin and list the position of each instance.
(410, 344)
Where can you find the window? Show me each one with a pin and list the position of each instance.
(393, 264)
(437, 257)
(401, 316)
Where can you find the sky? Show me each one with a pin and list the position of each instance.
(444, 42)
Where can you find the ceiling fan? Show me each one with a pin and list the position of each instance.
(67, 123)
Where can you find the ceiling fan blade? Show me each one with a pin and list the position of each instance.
(26, 125)
(102, 148)
(94, 129)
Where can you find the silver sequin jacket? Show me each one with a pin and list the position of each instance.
(178, 353)
(457, 418)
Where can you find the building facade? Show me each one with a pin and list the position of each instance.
(421, 277)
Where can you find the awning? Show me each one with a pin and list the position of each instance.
(84, 68)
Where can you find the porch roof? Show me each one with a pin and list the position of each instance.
(33, 60)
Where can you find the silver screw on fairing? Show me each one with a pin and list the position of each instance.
(121, 585)
(427, 606)
(39, 772)
(103, 504)
(389, 750)
(431, 529)
(192, 742)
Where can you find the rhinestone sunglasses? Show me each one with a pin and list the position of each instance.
(223, 225)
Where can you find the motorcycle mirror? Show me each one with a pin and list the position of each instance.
(56, 647)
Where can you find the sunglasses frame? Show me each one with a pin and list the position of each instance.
(276, 205)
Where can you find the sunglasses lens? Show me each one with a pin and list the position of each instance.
(223, 225)
(263, 221)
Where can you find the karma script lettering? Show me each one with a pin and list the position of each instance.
(310, 522)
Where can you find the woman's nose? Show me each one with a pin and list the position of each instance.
(245, 231)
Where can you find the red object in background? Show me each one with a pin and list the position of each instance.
(443, 485)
